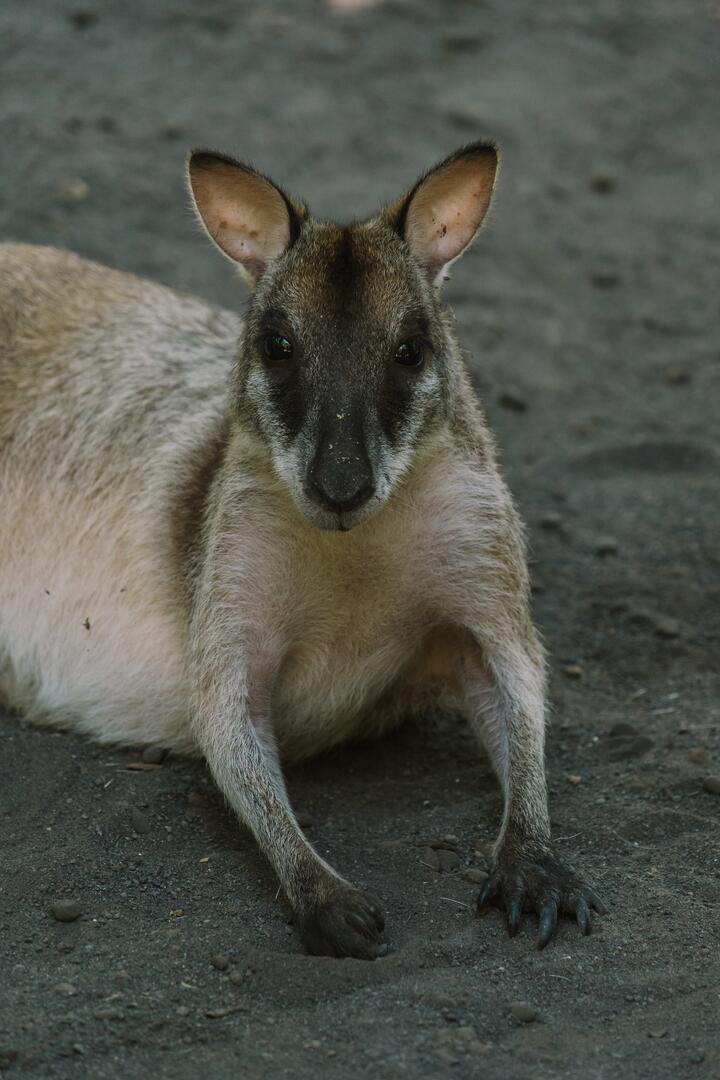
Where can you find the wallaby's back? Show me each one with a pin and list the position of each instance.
(111, 398)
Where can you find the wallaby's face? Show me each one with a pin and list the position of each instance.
(347, 365)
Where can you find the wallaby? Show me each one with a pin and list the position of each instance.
(255, 551)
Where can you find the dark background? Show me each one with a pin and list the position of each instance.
(589, 311)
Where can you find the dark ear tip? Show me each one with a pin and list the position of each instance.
(483, 148)
(209, 159)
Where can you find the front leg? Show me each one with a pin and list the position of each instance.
(233, 728)
(504, 693)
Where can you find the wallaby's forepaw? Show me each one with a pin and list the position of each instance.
(349, 924)
(541, 884)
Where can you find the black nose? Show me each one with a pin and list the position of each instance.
(340, 489)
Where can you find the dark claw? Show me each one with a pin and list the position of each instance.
(547, 924)
(513, 915)
(582, 914)
(541, 883)
(487, 892)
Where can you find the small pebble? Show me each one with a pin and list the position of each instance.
(573, 778)
(108, 1014)
(678, 376)
(666, 626)
(657, 1033)
(305, 820)
(237, 977)
(220, 962)
(140, 822)
(475, 876)
(510, 399)
(73, 191)
(605, 279)
(621, 730)
(551, 520)
(699, 755)
(711, 784)
(606, 545)
(65, 910)
(522, 1012)
(602, 183)
(573, 671)
(154, 755)
(449, 860)
(627, 747)
(66, 988)
(451, 842)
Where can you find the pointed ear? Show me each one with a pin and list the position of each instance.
(249, 218)
(445, 209)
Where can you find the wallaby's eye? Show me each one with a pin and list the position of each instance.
(411, 353)
(278, 349)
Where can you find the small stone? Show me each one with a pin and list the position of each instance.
(220, 962)
(573, 671)
(711, 784)
(83, 19)
(551, 520)
(182, 1010)
(431, 858)
(602, 183)
(574, 778)
(605, 279)
(65, 910)
(66, 988)
(108, 1014)
(450, 842)
(154, 755)
(511, 399)
(666, 626)
(628, 747)
(305, 820)
(73, 191)
(220, 1014)
(237, 977)
(699, 755)
(606, 545)
(621, 730)
(475, 876)
(657, 1033)
(522, 1012)
(140, 822)
(449, 860)
(677, 376)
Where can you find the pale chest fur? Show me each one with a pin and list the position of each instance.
(370, 616)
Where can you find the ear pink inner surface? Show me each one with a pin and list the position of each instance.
(244, 214)
(448, 208)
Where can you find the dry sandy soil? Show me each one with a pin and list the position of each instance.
(589, 312)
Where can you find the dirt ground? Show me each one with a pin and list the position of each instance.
(589, 310)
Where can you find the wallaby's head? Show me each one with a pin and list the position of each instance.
(347, 363)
